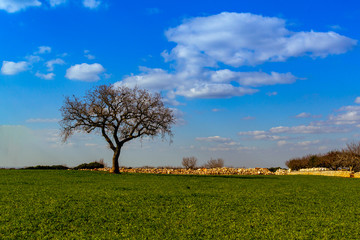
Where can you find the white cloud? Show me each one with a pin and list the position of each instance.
(357, 100)
(253, 79)
(303, 115)
(238, 39)
(43, 50)
(150, 78)
(33, 58)
(305, 129)
(217, 139)
(13, 68)
(55, 3)
(303, 144)
(88, 55)
(42, 120)
(50, 64)
(210, 90)
(12, 6)
(48, 76)
(85, 72)
(272, 94)
(203, 44)
(307, 143)
(92, 4)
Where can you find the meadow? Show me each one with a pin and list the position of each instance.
(60, 204)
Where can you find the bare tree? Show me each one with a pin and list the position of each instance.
(189, 162)
(214, 163)
(118, 114)
(350, 156)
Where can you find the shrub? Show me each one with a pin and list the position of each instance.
(274, 169)
(189, 162)
(214, 163)
(91, 165)
(43, 167)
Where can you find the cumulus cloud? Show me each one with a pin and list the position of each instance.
(85, 72)
(207, 47)
(13, 68)
(55, 3)
(92, 4)
(50, 64)
(12, 6)
(43, 50)
(357, 100)
(238, 39)
(47, 76)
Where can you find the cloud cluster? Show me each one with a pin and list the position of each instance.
(345, 120)
(92, 4)
(54, 3)
(12, 6)
(79, 72)
(209, 50)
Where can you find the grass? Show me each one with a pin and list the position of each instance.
(51, 204)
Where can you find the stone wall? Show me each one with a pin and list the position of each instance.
(200, 171)
(319, 172)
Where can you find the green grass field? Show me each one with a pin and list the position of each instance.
(49, 204)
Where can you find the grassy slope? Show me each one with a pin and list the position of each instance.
(82, 205)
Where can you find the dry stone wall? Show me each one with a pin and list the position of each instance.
(200, 171)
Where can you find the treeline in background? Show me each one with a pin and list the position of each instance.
(347, 158)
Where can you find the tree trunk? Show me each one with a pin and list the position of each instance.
(115, 160)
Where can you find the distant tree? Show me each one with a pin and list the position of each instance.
(119, 114)
(189, 162)
(214, 163)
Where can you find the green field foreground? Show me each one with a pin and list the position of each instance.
(49, 204)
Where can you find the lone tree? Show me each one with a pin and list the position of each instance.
(119, 114)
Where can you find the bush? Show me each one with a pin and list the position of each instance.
(189, 162)
(274, 169)
(214, 163)
(44, 167)
(91, 165)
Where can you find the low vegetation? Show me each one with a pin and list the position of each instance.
(94, 205)
(189, 162)
(91, 165)
(46, 167)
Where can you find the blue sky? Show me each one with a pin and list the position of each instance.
(253, 82)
